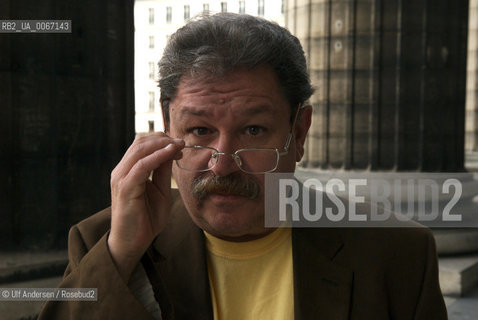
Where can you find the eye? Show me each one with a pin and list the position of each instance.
(199, 131)
(255, 130)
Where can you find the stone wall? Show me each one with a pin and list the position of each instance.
(66, 117)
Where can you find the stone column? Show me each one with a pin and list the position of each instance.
(66, 117)
(390, 82)
(471, 139)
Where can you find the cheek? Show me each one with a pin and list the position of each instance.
(288, 162)
(184, 181)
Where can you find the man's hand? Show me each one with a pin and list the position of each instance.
(140, 206)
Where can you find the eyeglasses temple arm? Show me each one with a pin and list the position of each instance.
(289, 137)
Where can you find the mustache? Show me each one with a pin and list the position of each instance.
(233, 184)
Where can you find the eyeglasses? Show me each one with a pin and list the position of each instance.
(249, 160)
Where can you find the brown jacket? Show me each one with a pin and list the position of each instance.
(388, 273)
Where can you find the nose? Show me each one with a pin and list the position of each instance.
(227, 162)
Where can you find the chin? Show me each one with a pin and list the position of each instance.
(226, 225)
(231, 223)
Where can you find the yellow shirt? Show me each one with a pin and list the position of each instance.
(253, 279)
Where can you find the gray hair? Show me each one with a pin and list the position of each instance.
(213, 45)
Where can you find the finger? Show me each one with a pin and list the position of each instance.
(162, 175)
(141, 171)
(143, 146)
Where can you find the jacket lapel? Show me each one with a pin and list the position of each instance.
(322, 288)
(181, 263)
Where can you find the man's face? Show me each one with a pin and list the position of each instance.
(244, 109)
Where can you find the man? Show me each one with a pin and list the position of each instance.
(233, 89)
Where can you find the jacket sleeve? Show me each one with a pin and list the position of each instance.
(431, 304)
(94, 268)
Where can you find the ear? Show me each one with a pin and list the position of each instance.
(301, 128)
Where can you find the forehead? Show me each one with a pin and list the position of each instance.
(241, 91)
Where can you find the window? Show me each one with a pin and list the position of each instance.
(151, 42)
(169, 14)
(151, 101)
(151, 70)
(151, 125)
(242, 7)
(205, 7)
(187, 13)
(260, 8)
(151, 15)
(223, 6)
